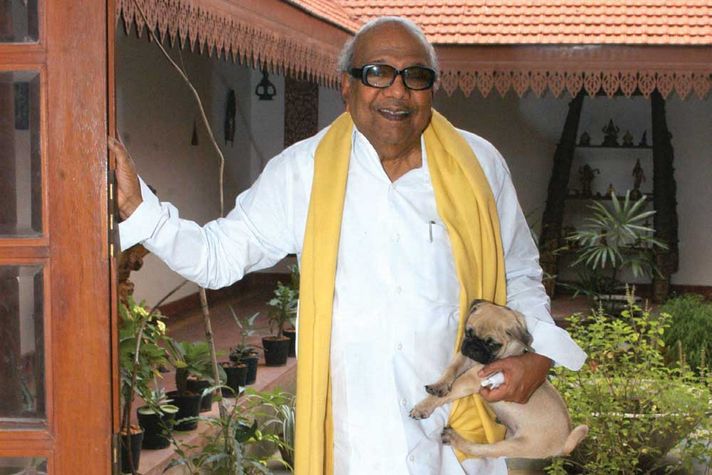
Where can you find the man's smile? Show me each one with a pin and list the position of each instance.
(394, 114)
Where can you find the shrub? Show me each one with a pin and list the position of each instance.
(690, 329)
(637, 408)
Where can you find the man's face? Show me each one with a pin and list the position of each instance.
(393, 118)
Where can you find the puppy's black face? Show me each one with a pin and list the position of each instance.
(481, 350)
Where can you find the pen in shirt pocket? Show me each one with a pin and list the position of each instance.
(430, 230)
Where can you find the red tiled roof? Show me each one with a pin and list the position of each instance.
(498, 22)
(329, 10)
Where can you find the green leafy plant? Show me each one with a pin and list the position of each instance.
(611, 241)
(191, 360)
(247, 329)
(688, 337)
(637, 407)
(141, 333)
(294, 278)
(143, 329)
(283, 308)
(287, 417)
(230, 441)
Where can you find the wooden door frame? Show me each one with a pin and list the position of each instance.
(73, 55)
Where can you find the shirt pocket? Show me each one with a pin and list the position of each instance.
(438, 279)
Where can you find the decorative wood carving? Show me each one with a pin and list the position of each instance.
(229, 30)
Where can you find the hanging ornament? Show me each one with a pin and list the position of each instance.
(194, 138)
(230, 109)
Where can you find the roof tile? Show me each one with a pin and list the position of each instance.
(675, 22)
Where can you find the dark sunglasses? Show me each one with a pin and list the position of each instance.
(417, 78)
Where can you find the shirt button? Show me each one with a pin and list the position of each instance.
(399, 289)
(396, 238)
(411, 458)
(399, 346)
(404, 402)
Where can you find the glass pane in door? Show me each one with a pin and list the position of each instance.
(22, 374)
(18, 21)
(20, 161)
(23, 466)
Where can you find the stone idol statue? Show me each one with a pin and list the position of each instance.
(638, 179)
(586, 176)
(610, 139)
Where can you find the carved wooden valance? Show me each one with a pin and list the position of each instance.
(281, 37)
(597, 69)
(267, 34)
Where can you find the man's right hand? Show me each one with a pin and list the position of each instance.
(128, 187)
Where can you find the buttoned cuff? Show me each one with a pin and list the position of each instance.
(140, 225)
(555, 343)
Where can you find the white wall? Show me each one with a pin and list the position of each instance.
(156, 112)
(527, 130)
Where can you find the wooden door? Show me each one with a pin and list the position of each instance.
(56, 405)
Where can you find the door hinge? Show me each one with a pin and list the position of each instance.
(115, 469)
(113, 228)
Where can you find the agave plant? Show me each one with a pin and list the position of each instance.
(613, 240)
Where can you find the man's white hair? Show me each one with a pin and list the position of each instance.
(347, 52)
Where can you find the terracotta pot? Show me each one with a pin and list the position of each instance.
(276, 350)
(291, 333)
(188, 406)
(134, 441)
(236, 378)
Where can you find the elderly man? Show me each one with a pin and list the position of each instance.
(398, 220)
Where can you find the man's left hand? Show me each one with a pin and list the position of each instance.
(523, 374)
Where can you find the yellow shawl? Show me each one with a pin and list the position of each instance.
(466, 205)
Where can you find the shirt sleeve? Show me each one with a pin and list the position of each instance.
(525, 291)
(253, 236)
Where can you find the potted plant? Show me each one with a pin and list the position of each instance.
(156, 417)
(291, 330)
(236, 368)
(229, 448)
(637, 407)
(243, 352)
(610, 243)
(141, 333)
(193, 380)
(283, 309)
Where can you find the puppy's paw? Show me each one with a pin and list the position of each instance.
(421, 411)
(438, 389)
(447, 435)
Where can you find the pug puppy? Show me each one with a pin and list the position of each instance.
(539, 428)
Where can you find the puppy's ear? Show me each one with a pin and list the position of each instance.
(520, 332)
(474, 304)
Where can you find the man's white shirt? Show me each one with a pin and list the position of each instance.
(396, 294)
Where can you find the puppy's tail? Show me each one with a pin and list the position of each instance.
(576, 436)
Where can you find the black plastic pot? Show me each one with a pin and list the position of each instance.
(291, 333)
(251, 362)
(236, 378)
(156, 427)
(197, 386)
(188, 406)
(276, 350)
(134, 441)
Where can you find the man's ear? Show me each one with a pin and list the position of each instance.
(345, 89)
